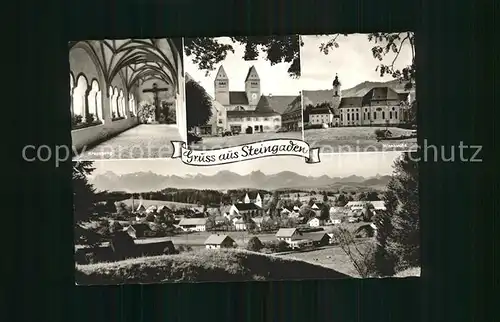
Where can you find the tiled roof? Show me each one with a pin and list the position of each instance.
(315, 236)
(193, 222)
(260, 219)
(346, 102)
(264, 106)
(238, 98)
(320, 110)
(217, 239)
(286, 232)
(382, 93)
(246, 206)
(280, 103)
(294, 106)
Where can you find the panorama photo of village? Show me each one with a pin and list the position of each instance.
(161, 221)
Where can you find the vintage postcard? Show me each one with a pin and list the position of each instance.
(206, 160)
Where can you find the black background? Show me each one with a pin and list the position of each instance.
(456, 102)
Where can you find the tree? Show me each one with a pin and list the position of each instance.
(325, 197)
(208, 52)
(198, 104)
(325, 212)
(341, 200)
(362, 259)
(386, 43)
(210, 223)
(398, 228)
(84, 195)
(254, 244)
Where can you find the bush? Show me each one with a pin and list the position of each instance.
(254, 244)
(184, 248)
(276, 246)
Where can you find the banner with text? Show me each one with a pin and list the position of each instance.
(250, 151)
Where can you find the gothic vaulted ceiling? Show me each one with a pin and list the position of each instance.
(137, 60)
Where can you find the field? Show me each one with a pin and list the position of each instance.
(329, 256)
(357, 139)
(203, 266)
(217, 142)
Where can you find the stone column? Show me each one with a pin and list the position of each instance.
(106, 106)
(71, 98)
(86, 103)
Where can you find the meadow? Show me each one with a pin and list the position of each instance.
(204, 265)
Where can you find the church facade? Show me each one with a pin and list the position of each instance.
(247, 111)
(372, 106)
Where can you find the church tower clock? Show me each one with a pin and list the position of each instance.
(252, 87)
(221, 86)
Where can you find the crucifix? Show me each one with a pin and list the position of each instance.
(155, 90)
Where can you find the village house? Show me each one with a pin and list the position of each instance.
(164, 209)
(137, 230)
(321, 115)
(140, 208)
(359, 205)
(217, 241)
(315, 222)
(239, 224)
(287, 234)
(193, 224)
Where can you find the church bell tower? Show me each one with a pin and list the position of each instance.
(252, 87)
(337, 96)
(221, 87)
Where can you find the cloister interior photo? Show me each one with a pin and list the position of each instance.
(127, 97)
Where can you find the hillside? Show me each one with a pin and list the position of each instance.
(229, 265)
(146, 203)
(223, 180)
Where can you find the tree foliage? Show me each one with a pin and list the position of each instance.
(208, 52)
(386, 43)
(254, 244)
(84, 194)
(198, 104)
(398, 228)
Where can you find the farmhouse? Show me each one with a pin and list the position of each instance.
(193, 224)
(315, 222)
(359, 205)
(137, 230)
(239, 224)
(288, 234)
(321, 115)
(217, 241)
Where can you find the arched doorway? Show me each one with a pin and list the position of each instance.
(79, 104)
(249, 130)
(94, 106)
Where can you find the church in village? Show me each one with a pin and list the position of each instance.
(110, 79)
(250, 111)
(382, 104)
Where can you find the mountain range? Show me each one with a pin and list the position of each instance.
(224, 180)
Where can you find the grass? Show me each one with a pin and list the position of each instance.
(203, 265)
(332, 257)
(354, 139)
(217, 142)
(410, 272)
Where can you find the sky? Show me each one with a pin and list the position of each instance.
(273, 79)
(334, 165)
(352, 61)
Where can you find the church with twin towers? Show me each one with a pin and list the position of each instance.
(250, 111)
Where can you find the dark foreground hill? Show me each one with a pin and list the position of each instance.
(226, 265)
